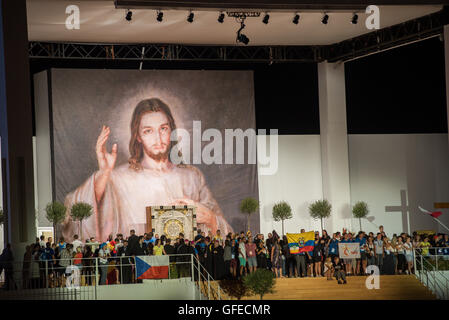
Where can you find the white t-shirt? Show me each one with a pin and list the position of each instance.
(242, 253)
(76, 243)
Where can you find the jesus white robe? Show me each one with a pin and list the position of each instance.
(128, 192)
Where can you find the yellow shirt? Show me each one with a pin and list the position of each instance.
(425, 248)
(158, 250)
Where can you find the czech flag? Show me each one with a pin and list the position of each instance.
(434, 214)
(301, 242)
(152, 267)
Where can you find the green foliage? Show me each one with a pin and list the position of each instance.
(81, 211)
(260, 282)
(360, 210)
(2, 217)
(249, 205)
(234, 288)
(320, 209)
(282, 211)
(55, 212)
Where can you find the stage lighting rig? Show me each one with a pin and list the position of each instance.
(296, 19)
(355, 18)
(240, 36)
(160, 16)
(190, 17)
(266, 18)
(221, 17)
(129, 15)
(325, 19)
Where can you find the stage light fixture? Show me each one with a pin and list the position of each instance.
(221, 17)
(240, 36)
(355, 18)
(266, 18)
(190, 17)
(160, 16)
(129, 15)
(296, 19)
(325, 19)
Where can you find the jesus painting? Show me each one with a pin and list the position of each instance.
(120, 194)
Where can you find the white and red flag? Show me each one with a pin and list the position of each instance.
(434, 214)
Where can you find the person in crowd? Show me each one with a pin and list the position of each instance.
(269, 246)
(328, 268)
(250, 248)
(261, 254)
(333, 246)
(88, 263)
(338, 271)
(133, 242)
(78, 258)
(242, 256)
(370, 252)
(234, 257)
(317, 255)
(158, 249)
(402, 263)
(76, 243)
(218, 237)
(276, 260)
(103, 256)
(42, 242)
(65, 260)
(35, 267)
(289, 267)
(218, 260)
(388, 267)
(379, 250)
(425, 245)
(361, 262)
(125, 270)
(26, 266)
(227, 257)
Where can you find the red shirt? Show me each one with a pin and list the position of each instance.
(250, 249)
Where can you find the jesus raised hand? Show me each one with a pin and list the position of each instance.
(106, 162)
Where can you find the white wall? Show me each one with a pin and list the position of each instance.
(382, 165)
(43, 159)
(297, 181)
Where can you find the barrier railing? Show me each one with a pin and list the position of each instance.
(62, 279)
(427, 270)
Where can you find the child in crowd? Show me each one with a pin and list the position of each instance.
(338, 270)
(328, 268)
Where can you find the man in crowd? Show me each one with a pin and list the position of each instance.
(76, 243)
(250, 248)
(378, 249)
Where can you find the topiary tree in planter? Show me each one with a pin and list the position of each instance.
(55, 213)
(320, 209)
(360, 210)
(79, 212)
(260, 282)
(248, 206)
(282, 211)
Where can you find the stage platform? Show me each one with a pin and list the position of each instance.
(397, 287)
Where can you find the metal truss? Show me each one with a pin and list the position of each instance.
(173, 52)
(409, 31)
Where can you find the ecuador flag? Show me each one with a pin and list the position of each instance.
(301, 242)
(152, 267)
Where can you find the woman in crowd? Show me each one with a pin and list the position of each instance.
(88, 264)
(158, 249)
(318, 255)
(218, 260)
(408, 246)
(276, 260)
(370, 253)
(401, 265)
(234, 256)
(388, 260)
(261, 254)
(287, 267)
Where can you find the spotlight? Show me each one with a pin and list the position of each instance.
(266, 18)
(160, 15)
(296, 19)
(240, 36)
(129, 15)
(190, 17)
(221, 17)
(325, 19)
(355, 17)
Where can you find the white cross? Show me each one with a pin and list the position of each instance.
(403, 208)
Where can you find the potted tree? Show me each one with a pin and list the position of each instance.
(248, 206)
(320, 209)
(282, 211)
(360, 210)
(234, 288)
(79, 212)
(260, 282)
(55, 213)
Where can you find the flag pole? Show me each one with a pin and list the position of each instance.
(441, 223)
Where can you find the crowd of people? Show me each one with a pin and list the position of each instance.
(224, 257)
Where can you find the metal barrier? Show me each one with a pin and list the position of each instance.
(61, 279)
(427, 271)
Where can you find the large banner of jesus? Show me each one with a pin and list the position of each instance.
(128, 139)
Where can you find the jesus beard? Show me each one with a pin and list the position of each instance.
(162, 156)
